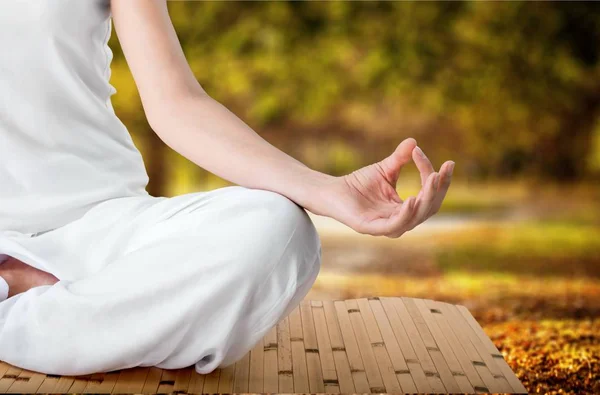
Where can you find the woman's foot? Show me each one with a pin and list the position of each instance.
(21, 277)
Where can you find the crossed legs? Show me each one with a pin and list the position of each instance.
(195, 279)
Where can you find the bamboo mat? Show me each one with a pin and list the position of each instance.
(367, 345)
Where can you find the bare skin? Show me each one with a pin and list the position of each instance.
(22, 277)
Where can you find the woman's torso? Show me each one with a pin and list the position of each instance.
(62, 148)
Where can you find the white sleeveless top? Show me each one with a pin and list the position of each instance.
(62, 148)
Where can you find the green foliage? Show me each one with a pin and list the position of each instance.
(504, 88)
(594, 159)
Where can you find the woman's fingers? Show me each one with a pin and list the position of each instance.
(432, 195)
(398, 224)
(444, 184)
(393, 224)
(425, 201)
(423, 164)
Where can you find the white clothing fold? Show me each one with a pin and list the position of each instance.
(196, 279)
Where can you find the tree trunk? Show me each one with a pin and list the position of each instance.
(563, 156)
(156, 164)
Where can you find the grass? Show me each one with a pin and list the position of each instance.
(490, 296)
(541, 248)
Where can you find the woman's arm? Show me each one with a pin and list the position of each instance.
(189, 121)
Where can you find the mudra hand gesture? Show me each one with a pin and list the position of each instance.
(366, 200)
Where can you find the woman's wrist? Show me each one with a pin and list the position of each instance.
(315, 190)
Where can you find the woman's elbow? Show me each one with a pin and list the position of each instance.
(163, 109)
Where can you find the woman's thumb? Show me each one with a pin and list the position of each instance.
(401, 156)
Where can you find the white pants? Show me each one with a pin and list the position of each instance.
(196, 279)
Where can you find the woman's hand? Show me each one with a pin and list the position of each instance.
(366, 200)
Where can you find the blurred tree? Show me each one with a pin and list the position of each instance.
(526, 77)
(507, 87)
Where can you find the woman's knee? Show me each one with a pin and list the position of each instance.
(286, 222)
(283, 230)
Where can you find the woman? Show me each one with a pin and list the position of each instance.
(100, 275)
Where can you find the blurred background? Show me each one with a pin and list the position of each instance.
(508, 90)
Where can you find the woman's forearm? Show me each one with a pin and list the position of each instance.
(208, 134)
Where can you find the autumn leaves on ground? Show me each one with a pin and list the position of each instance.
(529, 272)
